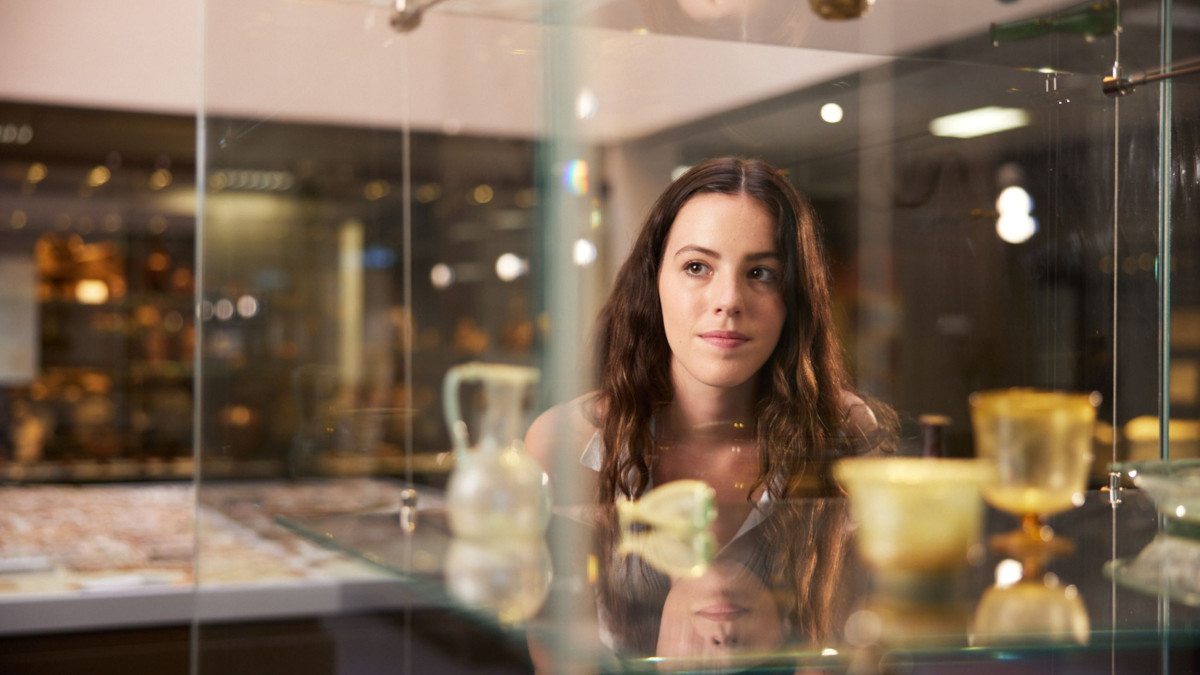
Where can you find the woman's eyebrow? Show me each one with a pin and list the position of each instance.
(692, 248)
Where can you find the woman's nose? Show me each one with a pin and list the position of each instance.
(730, 295)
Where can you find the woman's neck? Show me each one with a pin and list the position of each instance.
(709, 410)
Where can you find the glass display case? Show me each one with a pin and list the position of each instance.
(386, 190)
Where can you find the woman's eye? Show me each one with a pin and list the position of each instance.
(765, 274)
(695, 268)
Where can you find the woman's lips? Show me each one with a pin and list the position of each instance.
(724, 338)
(721, 612)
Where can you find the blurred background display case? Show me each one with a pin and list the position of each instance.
(243, 241)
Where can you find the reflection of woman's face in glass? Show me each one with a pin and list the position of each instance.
(726, 612)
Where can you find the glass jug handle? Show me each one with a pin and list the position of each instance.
(476, 372)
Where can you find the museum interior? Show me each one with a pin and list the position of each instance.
(284, 283)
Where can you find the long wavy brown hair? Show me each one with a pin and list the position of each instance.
(800, 407)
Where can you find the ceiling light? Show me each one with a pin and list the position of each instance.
(509, 266)
(584, 252)
(1014, 200)
(586, 104)
(441, 276)
(832, 113)
(979, 122)
(1016, 229)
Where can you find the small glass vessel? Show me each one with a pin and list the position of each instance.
(681, 505)
(496, 490)
(1040, 443)
(916, 518)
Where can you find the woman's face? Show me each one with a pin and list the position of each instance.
(720, 285)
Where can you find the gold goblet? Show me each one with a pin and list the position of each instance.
(1040, 443)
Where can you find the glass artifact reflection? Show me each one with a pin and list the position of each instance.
(1040, 443)
(680, 506)
(683, 554)
(1170, 563)
(506, 578)
(670, 527)
(1030, 611)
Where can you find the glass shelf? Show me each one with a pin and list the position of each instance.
(915, 630)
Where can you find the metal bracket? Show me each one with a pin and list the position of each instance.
(1114, 488)
(406, 14)
(1117, 85)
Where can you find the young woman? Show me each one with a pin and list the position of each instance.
(717, 360)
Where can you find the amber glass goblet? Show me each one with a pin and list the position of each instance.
(1040, 442)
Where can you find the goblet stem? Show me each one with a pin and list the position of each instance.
(1033, 543)
(1035, 528)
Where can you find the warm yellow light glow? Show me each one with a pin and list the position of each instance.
(979, 122)
(160, 179)
(524, 198)
(482, 194)
(19, 219)
(428, 193)
(377, 189)
(158, 261)
(98, 176)
(91, 292)
(240, 415)
(36, 173)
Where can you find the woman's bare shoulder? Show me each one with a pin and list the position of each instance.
(857, 414)
(565, 428)
(866, 430)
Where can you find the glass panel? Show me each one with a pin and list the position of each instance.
(368, 221)
(1180, 161)
(390, 196)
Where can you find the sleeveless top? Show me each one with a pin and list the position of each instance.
(593, 456)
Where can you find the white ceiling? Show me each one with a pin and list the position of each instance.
(471, 66)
